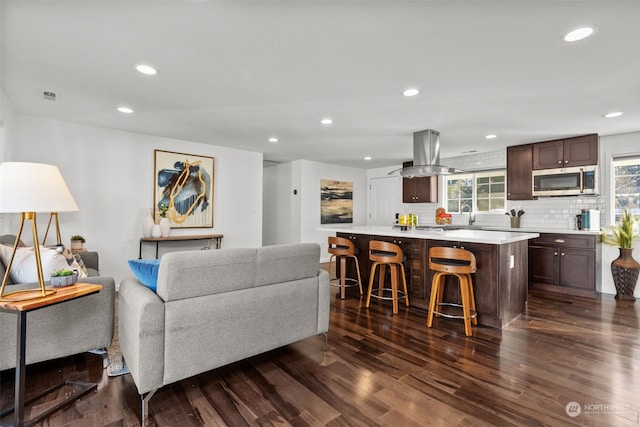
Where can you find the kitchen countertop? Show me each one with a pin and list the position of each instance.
(541, 230)
(494, 237)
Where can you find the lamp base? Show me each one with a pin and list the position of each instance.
(26, 294)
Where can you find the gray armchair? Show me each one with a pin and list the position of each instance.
(64, 329)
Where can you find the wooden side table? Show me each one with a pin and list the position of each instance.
(21, 308)
(217, 238)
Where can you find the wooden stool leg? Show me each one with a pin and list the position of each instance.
(343, 275)
(473, 300)
(371, 277)
(381, 273)
(330, 261)
(355, 259)
(432, 299)
(404, 285)
(394, 287)
(464, 292)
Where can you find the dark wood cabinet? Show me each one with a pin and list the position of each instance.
(519, 168)
(564, 263)
(422, 189)
(564, 153)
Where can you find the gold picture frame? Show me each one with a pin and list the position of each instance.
(183, 183)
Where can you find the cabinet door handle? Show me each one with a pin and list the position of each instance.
(566, 161)
(559, 162)
(555, 254)
(562, 254)
(559, 241)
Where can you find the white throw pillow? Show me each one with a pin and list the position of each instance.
(23, 269)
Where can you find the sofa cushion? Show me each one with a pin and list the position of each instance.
(23, 269)
(189, 274)
(287, 263)
(146, 271)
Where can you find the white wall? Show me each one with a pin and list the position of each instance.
(627, 144)
(295, 218)
(312, 173)
(110, 174)
(279, 205)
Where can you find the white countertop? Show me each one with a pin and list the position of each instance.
(542, 230)
(493, 237)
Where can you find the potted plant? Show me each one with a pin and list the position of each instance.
(624, 269)
(77, 242)
(165, 225)
(63, 277)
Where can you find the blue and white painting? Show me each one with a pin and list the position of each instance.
(336, 202)
(184, 188)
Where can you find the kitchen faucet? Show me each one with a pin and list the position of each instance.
(471, 217)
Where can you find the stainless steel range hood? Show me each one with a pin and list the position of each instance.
(426, 156)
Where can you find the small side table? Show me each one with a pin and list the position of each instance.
(217, 238)
(21, 308)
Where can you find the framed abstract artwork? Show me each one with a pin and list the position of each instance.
(183, 189)
(336, 202)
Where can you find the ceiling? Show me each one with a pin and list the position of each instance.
(235, 73)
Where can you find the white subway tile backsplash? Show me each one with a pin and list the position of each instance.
(549, 212)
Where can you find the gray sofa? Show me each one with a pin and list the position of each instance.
(213, 308)
(61, 330)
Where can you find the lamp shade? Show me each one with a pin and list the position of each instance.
(33, 187)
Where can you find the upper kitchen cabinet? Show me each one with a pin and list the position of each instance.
(564, 153)
(422, 189)
(519, 167)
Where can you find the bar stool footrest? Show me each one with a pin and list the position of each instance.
(348, 282)
(400, 294)
(473, 312)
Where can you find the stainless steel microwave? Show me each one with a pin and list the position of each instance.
(576, 181)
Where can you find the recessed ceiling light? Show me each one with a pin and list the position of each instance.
(367, 158)
(146, 69)
(491, 136)
(411, 92)
(326, 121)
(579, 34)
(125, 110)
(273, 139)
(613, 114)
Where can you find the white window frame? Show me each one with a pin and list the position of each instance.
(634, 158)
(474, 195)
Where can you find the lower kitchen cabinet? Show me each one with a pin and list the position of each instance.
(564, 263)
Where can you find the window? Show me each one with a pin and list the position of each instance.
(479, 191)
(626, 191)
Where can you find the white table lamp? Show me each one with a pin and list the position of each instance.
(27, 188)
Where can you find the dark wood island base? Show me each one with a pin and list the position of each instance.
(500, 283)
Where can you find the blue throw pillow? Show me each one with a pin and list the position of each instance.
(146, 271)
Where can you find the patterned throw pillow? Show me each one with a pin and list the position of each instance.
(72, 262)
(23, 269)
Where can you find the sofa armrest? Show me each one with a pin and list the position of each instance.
(141, 333)
(64, 329)
(91, 261)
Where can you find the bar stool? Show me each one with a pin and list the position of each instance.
(343, 249)
(459, 263)
(387, 254)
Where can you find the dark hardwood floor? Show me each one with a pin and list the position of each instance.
(382, 369)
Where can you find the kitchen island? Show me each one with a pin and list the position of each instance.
(500, 282)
